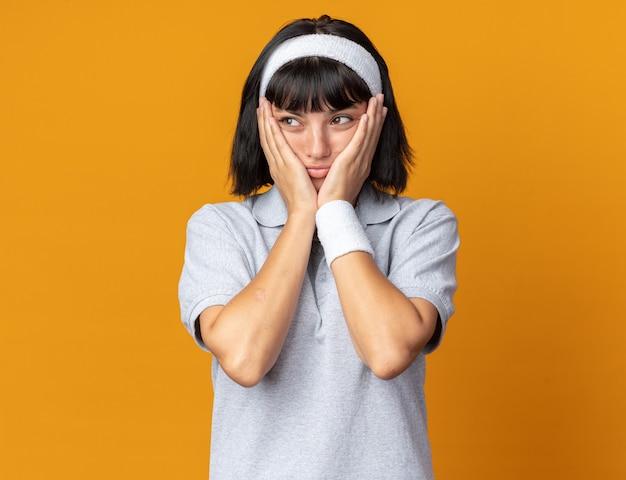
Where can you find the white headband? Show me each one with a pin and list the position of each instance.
(337, 48)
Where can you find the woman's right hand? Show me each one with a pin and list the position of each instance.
(287, 171)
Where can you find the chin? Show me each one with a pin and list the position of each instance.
(317, 183)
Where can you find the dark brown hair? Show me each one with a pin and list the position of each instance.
(314, 83)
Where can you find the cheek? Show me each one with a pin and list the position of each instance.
(341, 140)
(295, 142)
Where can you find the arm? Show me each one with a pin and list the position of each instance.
(247, 335)
(388, 330)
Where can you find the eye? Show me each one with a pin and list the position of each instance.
(289, 121)
(341, 120)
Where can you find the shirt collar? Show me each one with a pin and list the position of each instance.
(269, 209)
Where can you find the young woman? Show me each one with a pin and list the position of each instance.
(319, 298)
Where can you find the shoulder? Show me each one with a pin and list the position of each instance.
(417, 222)
(231, 215)
(423, 209)
(212, 212)
(217, 222)
(428, 219)
(265, 209)
(377, 207)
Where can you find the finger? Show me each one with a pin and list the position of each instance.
(367, 133)
(376, 118)
(283, 162)
(262, 125)
(278, 144)
(274, 139)
(360, 147)
(264, 118)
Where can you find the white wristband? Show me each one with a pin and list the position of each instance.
(340, 231)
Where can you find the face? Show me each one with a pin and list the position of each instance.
(318, 137)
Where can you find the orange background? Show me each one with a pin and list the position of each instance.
(115, 125)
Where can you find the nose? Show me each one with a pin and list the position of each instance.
(318, 145)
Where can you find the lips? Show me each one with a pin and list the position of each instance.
(318, 172)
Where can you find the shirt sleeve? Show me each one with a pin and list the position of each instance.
(424, 266)
(216, 267)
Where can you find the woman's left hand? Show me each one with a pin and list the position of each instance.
(352, 167)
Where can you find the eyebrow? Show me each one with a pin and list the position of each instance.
(331, 111)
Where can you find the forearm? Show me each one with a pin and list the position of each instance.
(247, 335)
(388, 330)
